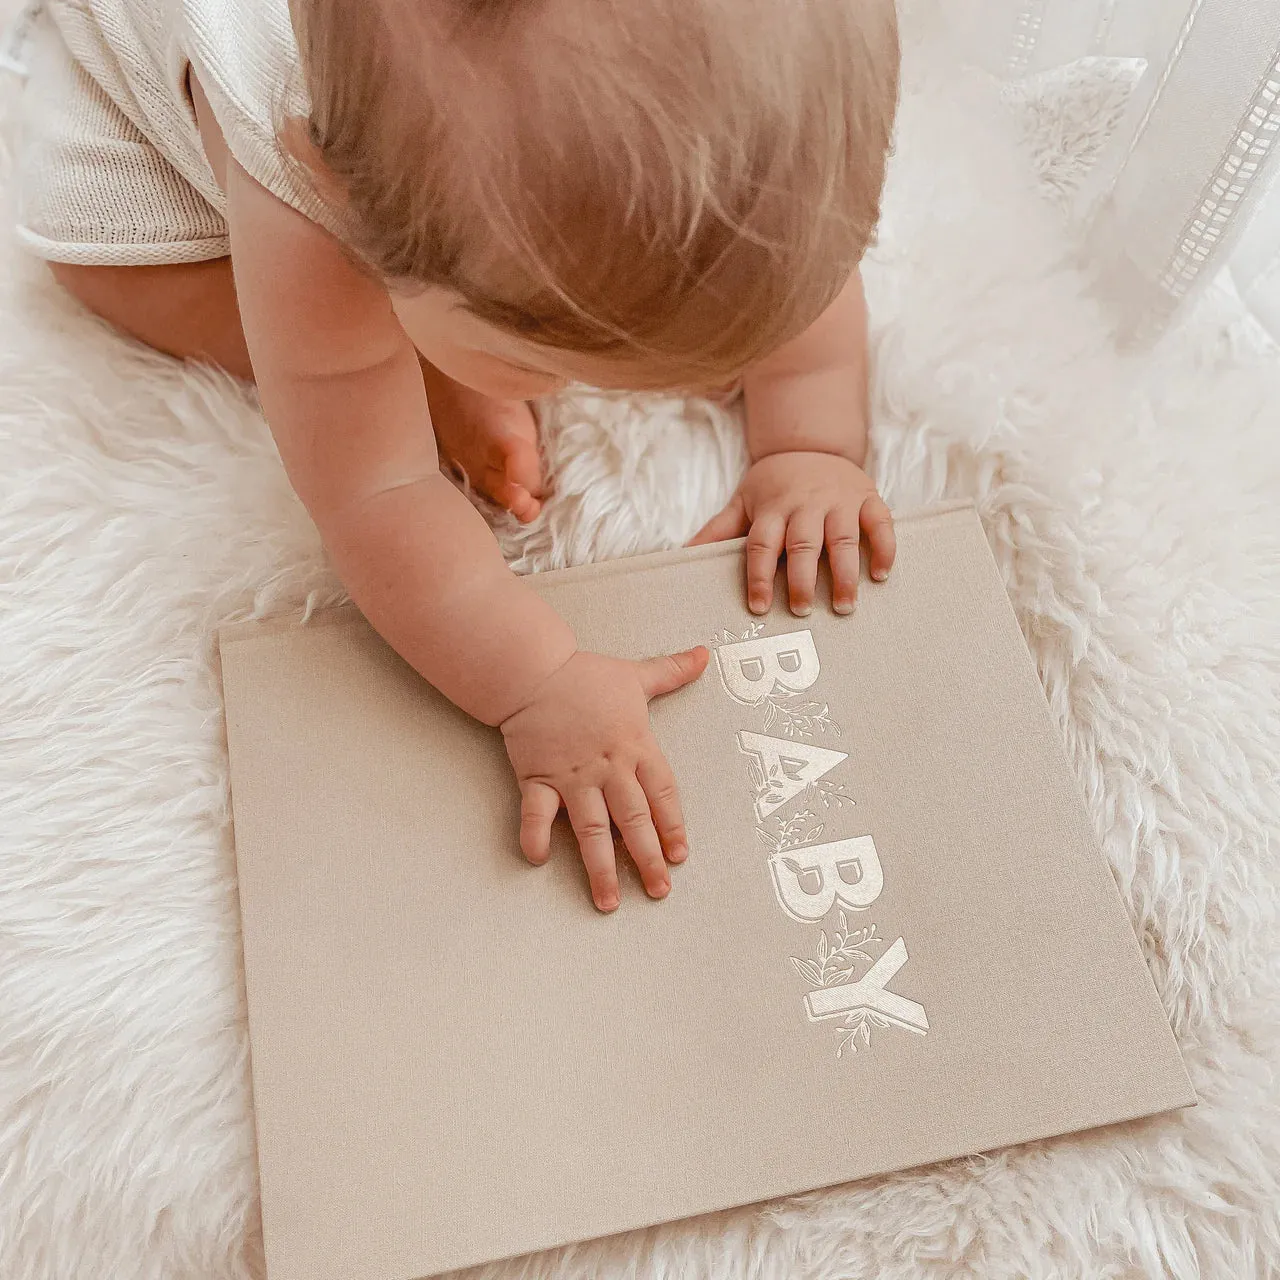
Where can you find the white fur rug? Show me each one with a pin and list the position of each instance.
(1130, 500)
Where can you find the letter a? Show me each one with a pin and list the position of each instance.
(786, 768)
(811, 878)
(752, 669)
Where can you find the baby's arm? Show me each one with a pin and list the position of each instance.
(807, 437)
(342, 389)
(810, 395)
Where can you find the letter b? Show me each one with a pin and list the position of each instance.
(752, 669)
(811, 879)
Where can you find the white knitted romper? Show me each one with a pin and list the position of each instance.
(111, 168)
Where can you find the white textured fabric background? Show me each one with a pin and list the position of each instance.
(1130, 499)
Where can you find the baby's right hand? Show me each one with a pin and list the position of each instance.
(585, 740)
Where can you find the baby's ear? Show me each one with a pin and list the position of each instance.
(295, 140)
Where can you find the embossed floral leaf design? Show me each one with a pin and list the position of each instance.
(838, 959)
(831, 795)
(780, 834)
(838, 962)
(729, 637)
(796, 716)
(857, 1026)
(767, 788)
(808, 971)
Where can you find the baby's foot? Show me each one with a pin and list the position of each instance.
(493, 442)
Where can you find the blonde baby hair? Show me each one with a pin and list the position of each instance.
(678, 185)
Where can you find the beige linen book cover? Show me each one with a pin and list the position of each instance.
(895, 940)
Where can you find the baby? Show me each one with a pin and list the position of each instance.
(400, 215)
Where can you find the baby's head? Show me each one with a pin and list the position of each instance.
(638, 193)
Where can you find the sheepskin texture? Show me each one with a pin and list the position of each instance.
(1129, 498)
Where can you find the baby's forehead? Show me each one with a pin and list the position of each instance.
(630, 371)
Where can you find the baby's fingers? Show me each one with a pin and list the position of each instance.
(729, 523)
(590, 818)
(629, 807)
(764, 546)
(877, 523)
(804, 546)
(659, 783)
(844, 556)
(672, 671)
(539, 805)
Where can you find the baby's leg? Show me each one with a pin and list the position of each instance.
(186, 310)
(493, 442)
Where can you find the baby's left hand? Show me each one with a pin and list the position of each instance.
(800, 502)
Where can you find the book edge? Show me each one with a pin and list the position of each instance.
(1136, 1117)
(261, 628)
(1094, 839)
